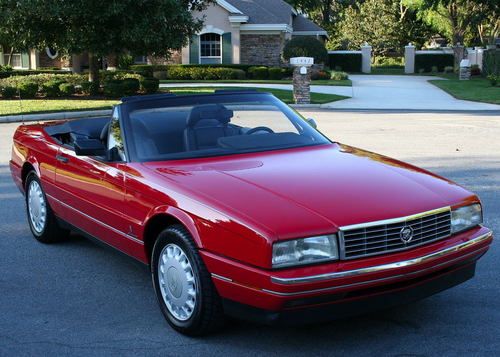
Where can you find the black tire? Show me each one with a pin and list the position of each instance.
(207, 315)
(51, 231)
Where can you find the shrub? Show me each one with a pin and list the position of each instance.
(389, 62)
(203, 73)
(8, 92)
(160, 74)
(348, 62)
(51, 88)
(319, 74)
(493, 79)
(114, 89)
(131, 85)
(89, 88)
(475, 70)
(258, 72)
(491, 62)
(150, 85)
(448, 69)
(275, 73)
(434, 69)
(339, 76)
(27, 89)
(125, 61)
(67, 89)
(305, 46)
(439, 60)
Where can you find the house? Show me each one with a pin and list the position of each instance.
(234, 32)
(246, 32)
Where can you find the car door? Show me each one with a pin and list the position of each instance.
(92, 189)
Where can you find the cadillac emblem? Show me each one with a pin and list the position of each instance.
(406, 234)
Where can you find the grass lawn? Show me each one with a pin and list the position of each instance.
(322, 82)
(285, 95)
(30, 106)
(477, 89)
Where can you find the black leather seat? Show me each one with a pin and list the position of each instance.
(206, 124)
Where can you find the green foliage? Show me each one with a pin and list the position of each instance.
(51, 88)
(258, 72)
(67, 89)
(125, 61)
(131, 85)
(305, 46)
(276, 73)
(491, 62)
(160, 74)
(114, 89)
(426, 62)
(8, 92)
(88, 88)
(493, 79)
(203, 73)
(27, 89)
(339, 76)
(448, 69)
(348, 62)
(150, 85)
(389, 62)
(387, 25)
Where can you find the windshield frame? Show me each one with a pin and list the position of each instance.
(160, 101)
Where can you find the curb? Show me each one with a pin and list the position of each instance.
(54, 116)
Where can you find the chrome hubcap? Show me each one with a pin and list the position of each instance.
(177, 283)
(37, 207)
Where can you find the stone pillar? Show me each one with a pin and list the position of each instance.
(302, 85)
(409, 58)
(366, 58)
(464, 73)
(459, 53)
(67, 63)
(112, 62)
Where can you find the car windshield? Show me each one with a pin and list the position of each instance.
(214, 125)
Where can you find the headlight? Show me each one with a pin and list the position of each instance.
(466, 217)
(305, 251)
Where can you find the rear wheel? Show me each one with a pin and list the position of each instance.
(183, 286)
(42, 221)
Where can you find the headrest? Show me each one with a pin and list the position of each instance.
(211, 112)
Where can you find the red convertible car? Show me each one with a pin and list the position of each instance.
(241, 207)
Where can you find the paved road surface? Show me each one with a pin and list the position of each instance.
(78, 298)
(378, 92)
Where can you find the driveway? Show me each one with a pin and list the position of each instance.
(379, 92)
(78, 298)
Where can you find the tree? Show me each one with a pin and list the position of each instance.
(458, 19)
(98, 27)
(387, 25)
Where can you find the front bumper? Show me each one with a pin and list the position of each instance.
(403, 276)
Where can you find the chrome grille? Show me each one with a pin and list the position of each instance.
(385, 236)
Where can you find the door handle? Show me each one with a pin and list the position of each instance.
(62, 159)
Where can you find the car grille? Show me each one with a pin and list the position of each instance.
(385, 236)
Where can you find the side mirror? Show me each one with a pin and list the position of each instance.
(312, 122)
(89, 147)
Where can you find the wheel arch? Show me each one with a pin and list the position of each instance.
(27, 167)
(163, 218)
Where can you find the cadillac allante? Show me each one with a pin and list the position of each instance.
(240, 207)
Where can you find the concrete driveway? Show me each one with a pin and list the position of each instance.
(78, 298)
(379, 92)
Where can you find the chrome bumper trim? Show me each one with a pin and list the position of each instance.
(396, 220)
(383, 267)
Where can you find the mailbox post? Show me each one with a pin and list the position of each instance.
(302, 79)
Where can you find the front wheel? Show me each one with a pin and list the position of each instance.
(183, 287)
(42, 221)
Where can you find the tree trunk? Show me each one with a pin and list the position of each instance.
(9, 63)
(112, 60)
(93, 74)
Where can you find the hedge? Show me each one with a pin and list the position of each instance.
(425, 62)
(347, 62)
(491, 62)
(204, 73)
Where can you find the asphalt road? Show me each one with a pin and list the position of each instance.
(79, 298)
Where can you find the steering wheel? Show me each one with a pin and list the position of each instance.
(259, 128)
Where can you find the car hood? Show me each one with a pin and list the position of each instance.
(313, 190)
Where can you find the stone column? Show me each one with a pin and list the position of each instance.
(34, 59)
(409, 58)
(459, 53)
(366, 58)
(302, 85)
(112, 61)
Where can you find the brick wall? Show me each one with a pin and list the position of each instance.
(46, 61)
(261, 49)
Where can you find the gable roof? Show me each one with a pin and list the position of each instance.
(264, 11)
(303, 24)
